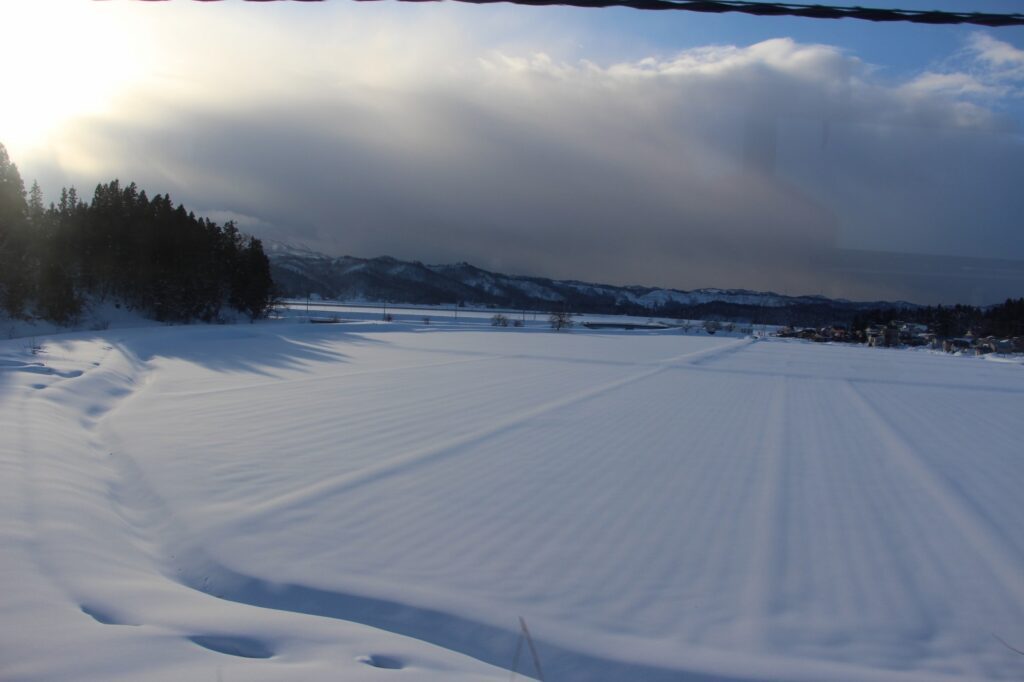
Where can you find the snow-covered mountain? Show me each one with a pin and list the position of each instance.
(299, 271)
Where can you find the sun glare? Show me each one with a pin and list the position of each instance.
(62, 60)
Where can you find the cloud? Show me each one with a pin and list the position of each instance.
(954, 84)
(723, 165)
(989, 70)
(1005, 61)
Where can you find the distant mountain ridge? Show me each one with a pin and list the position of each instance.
(299, 271)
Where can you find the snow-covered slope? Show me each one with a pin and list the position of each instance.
(656, 506)
(99, 570)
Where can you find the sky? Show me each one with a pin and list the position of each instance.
(845, 158)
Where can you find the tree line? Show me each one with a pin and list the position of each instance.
(142, 252)
(1003, 320)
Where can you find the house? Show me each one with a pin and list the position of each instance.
(879, 336)
(913, 328)
(957, 345)
(1004, 345)
(991, 344)
(836, 333)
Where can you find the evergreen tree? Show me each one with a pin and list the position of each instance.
(149, 254)
(15, 278)
(36, 210)
(58, 301)
(252, 286)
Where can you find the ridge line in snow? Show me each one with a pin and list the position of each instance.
(416, 458)
(974, 528)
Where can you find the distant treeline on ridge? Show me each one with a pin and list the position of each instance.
(139, 251)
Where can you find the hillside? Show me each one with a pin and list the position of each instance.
(299, 272)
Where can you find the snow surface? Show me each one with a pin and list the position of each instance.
(370, 501)
(95, 316)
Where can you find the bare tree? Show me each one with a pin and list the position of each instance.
(560, 320)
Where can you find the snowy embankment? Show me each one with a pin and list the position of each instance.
(291, 501)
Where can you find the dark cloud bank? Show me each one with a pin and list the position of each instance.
(779, 166)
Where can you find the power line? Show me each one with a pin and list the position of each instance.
(761, 9)
(774, 9)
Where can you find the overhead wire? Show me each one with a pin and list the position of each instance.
(765, 9)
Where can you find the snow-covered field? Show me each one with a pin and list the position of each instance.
(288, 501)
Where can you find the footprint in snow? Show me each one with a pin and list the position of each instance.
(102, 615)
(244, 647)
(379, 661)
(38, 368)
